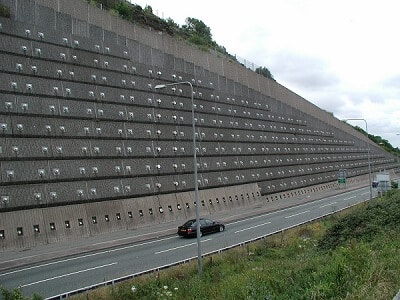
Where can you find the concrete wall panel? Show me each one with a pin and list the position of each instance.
(65, 223)
(7, 104)
(171, 210)
(138, 212)
(186, 200)
(145, 211)
(22, 229)
(16, 148)
(133, 47)
(105, 216)
(6, 126)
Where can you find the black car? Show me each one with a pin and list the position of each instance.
(206, 226)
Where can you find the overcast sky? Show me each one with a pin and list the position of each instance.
(341, 55)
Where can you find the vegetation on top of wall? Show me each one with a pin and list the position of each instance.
(380, 141)
(265, 72)
(194, 31)
(4, 11)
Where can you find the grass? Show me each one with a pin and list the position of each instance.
(351, 255)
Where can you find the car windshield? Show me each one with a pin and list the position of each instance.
(190, 223)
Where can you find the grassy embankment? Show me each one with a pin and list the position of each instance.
(351, 255)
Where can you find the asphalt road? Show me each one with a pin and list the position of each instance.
(68, 274)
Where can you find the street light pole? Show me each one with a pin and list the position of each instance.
(398, 156)
(196, 184)
(369, 155)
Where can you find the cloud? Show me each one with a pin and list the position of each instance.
(302, 71)
(392, 82)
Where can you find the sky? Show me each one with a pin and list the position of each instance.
(342, 55)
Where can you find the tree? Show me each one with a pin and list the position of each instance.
(198, 32)
(264, 72)
(124, 9)
(173, 28)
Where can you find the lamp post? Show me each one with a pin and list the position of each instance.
(369, 158)
(398, 155)
(196, 185)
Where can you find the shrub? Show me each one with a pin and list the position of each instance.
(16, 294)
(4, 11)
(364, 224)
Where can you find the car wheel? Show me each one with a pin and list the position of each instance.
(221, 228)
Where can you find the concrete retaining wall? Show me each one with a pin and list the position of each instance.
(88, 146)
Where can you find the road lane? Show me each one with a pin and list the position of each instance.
(295, 215)
(252, 227)
(68, 274)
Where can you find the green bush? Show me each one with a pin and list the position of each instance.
(395, 185)
(124, 9)
(4, 11)
(16, 294)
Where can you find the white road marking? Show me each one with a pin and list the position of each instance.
(297, 206)
(252, 227)
(252, 218)
(83, 256)
(300, 213)
(329, 204)
(159, 233)
(68, 274)
(179, 247)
